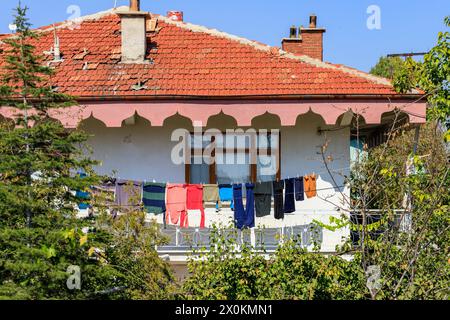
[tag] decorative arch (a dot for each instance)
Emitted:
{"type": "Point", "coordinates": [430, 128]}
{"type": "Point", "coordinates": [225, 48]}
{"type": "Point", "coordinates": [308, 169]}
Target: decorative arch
{"type": "Point", "coordinates": [91, 121]}
{"type": "Point", "coordinates": [112, 114]}
{"type": "Point", "coordinates": [185, 122]}
{"type": "Point", "coordinates": [309, 114]}
{"type": "Point", "coordinates": [267, 117]}
{"type": "Point", "coordinates": [221, 120]}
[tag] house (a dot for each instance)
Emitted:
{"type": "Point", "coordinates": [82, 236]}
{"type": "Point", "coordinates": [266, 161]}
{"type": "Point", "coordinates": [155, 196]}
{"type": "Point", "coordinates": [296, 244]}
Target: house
{"type": "Point", "coordinates": [149, 86]}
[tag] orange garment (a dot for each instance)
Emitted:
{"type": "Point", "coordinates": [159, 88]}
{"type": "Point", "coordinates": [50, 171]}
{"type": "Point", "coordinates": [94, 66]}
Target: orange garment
{"type": "Point", "coordinates": [176, 204]}
{"type": "Point", "coordinates": [310, 185]}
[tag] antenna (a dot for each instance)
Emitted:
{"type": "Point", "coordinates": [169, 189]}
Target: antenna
{"type": "Point", "coordinates": [56, 49]}
{"type": "Point", "coordinates": [406, 55]}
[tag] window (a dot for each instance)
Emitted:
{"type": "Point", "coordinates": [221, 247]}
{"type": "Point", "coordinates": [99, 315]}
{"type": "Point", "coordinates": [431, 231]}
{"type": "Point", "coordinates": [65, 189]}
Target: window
{"type": "Point", "coordinates": [233, 157]}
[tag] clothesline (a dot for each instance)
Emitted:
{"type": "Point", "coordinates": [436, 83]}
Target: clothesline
{"type": "Point", "coordinates": [181, 202]}
{"type": "Point", "coordinates": [175, 200]}
{"type": "Point", "coordinates": [236, 182]}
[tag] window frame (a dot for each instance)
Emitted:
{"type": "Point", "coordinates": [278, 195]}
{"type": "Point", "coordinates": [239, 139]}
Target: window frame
{"type": "Point", "coordinates": [213, 166]}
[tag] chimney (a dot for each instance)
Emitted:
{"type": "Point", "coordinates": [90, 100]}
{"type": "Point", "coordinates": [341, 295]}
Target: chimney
{"type": "Point", "coordinates": [308, 41]}
{"type": "Point", "coordinates": [135, 5]}
{"type": "Point", "coordinates": [57, 47]}
{"type": "Point", "coordinates": [175, 15]}
{"type": "Point", "coordinates": [312, 21]}
{"type": "Point", "coordinates": [133, 30]}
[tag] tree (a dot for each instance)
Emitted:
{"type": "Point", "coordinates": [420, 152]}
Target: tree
{"type": "Point", "coordinates": [387, 67]}
{"type": "Point", "coordinates": [142, 275]}
{"type": "Point", "coordinates": [40, 236]}
{"type": "Point", "coordinates": [231, 270]}
{"type": "Point", "coordinates": [432, 76]}
{"type": "Point", "coordinates": [403, 245]}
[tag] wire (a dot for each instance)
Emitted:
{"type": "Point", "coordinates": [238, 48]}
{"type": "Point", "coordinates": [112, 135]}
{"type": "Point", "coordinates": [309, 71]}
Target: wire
{"type": "Point", "coordinates": [234, 198]}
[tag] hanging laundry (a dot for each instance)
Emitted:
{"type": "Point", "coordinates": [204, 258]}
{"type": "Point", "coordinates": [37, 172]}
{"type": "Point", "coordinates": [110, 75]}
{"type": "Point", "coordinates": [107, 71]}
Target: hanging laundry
{"type": "Point", "coordinates": [299, 189]}
{"type": "Point", "coordinates": [154, 197]}
{"type": "Point", "coordinates": [106, 192]}
{"type": "Point", "coordinates": [263, 198]}
{"type": "Point", "coordinates": [239, 211]}
{"type": "Point", "coordinates": [244, 217]}
{"type": "Point", "coordinates": [195, 202]}
{"type": "Point", "coordinates": [289, 199]}
{"type": "Point", "coordinates": [278, 187]}
{"type": "Point", "coordinates": [249, 221]}
{"type": "Point", "coordinates": [82, 195]}
{"type": "Point", "coordinates": [128, 194]}
{"type": "Point", "coordinates": [310, 185]}
{"type": "Point", "coordinates": [211, 194]}
{"type": "Point", "coordinates": [176, 205]}
{"type": "Point", "coordinates": [226, 193]}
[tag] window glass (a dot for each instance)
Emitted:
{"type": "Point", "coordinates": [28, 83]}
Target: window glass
{"type": "Point", "coordinates": [266, 168]}
{"type": "Point", "coordinates": [199, 171]}
{"type": "Point", "coordinates": [233, 162]}
{"type": "Point", "coordinates": [237, 171]}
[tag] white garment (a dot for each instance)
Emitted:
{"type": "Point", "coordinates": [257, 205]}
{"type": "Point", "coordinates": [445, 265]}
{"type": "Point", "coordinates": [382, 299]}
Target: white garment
{"type": "Point", "coordinates": [194, 217]}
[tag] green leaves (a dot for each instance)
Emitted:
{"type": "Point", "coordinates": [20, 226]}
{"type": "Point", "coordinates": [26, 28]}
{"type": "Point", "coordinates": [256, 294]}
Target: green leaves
{"type": "Point", "coordinates": [290, 273]}
{"type": "Point", "coordinates": [432, 75]}
{"type": "Point", "coordinates": [387, 67]}
{"type": "Point", "coordinates": [39, 235]}
{"type": "Point", "coordinates": [49, 252]}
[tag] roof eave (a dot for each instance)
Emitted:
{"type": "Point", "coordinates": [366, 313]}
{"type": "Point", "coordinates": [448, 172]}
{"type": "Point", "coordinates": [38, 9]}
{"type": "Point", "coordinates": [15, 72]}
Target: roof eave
{"type": "Point", "coordinates": [413, 96]}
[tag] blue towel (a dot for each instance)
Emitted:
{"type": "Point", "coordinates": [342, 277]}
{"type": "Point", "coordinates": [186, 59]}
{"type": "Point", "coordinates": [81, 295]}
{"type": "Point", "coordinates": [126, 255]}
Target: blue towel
{"type": "Point", "coordinates": [250, 206]}
{"type": "Point", "coordinates": [289, 200]}
{"type": "Point", "coordinates": [299, 189]}
{"type": "Point", "coordinates": [82, 195]}
{"type": "Point", "coordinates": [244, 217]}
{"type": "Point", "coordinates": [226, 193]}
{"type": "Point", "coordinates": [239, 211]}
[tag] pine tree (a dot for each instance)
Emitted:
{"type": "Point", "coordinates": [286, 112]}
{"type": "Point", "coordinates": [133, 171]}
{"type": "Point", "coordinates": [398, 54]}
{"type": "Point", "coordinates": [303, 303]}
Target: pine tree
{"type": "Point", "coordinates": [40, 236]}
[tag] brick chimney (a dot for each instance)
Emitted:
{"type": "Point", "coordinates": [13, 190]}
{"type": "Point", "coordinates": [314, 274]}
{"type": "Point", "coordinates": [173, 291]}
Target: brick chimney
{"type": "Point", "coordinates": [175, 15]}
{"type": "Point", "coordinates": [308, 41]}
{"type": "Point", "coordinates": [133, 30]}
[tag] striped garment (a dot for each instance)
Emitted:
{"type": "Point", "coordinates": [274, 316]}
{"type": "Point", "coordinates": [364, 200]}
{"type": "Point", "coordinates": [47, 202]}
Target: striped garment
{"type": "Point", "coordinates": [154, 197]}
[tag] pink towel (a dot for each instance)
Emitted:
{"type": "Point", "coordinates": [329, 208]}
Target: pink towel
{"type": "Point", "coordinates": [176, 204]}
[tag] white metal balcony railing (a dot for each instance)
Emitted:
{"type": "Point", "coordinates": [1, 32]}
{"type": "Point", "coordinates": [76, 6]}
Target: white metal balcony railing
{"type": "Point", "coordinates": [188, 239]}
{"type": "Point", "coordinates": [267, 239]}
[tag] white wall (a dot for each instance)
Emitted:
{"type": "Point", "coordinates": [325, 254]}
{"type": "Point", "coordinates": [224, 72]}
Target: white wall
{"type": "Point", "coordinates": [136, 152]}
{"type": "Point", "coordinates": [142, 152]}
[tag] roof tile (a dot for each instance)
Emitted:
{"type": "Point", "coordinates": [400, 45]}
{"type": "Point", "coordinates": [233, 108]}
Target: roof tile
{"type": "Point", "coordinates": [192, 61]}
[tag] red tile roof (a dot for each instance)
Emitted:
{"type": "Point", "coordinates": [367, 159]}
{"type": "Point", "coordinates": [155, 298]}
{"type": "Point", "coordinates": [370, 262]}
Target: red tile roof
{"type": "Point", "coordinates": [189, 60]}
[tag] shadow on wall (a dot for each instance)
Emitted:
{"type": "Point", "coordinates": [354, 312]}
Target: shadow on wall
{"type": "Point", "coordinates": [142, 152]}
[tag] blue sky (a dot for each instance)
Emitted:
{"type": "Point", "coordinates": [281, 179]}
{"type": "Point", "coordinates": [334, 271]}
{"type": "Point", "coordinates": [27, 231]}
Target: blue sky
{"type": "Point", "coordinates": [406, 25]}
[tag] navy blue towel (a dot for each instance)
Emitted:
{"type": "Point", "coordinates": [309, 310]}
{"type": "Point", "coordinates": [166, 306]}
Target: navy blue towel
{"type": "Point", "coordinates": [239, 212]}
{"type": "Point", "coordinates": [244, 217]}
{"type": "Point", "coordinates": [250, 206]}
{"type": "Point", "coordinates": [278, 187]}
{"type": "Point", "coordinates": [299, 189]}
{"type": "Point", "coordinates": [289, 200]}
